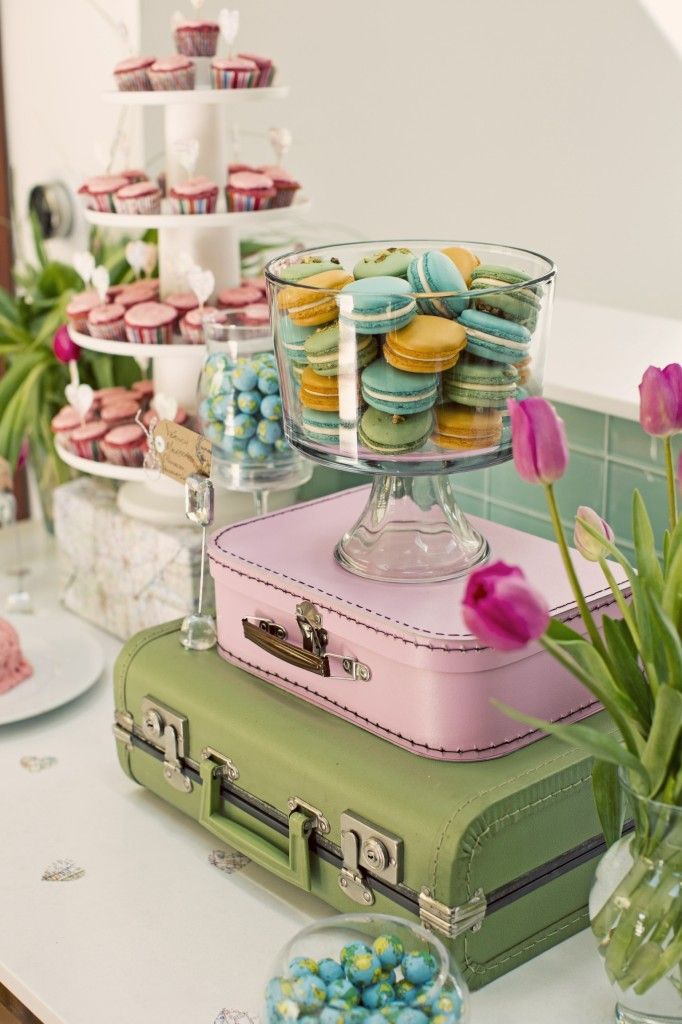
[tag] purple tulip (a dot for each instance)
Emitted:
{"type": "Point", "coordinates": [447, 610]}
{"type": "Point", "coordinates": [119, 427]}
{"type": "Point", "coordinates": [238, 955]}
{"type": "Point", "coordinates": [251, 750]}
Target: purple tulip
{"type": "Point", "coordinates": [588, 546]}
{"type": "Point", "coordinates": [538, 440]}
{"type": "Point", "coordinates": [502, 609]}
{"type": "Point", "coordinates": [63, 347]}
{"type": "Point", "coordinates": [660, 400]}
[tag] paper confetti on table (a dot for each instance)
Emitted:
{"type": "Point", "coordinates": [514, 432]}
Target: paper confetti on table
{"type": "Point", "coordinates": [37, 764]}
{"type": "Point", "coordinates": [228, 861]}
{"type": "Point", "coordinates": [62, 871]}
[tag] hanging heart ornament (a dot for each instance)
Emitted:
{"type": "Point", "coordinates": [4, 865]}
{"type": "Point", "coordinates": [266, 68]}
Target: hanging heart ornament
{"type": "Point", "coordinates": [100, 282]}
{"type": "Point", "coordinates": [84, 264]}
{"type": "Point", "coordinates": [202, 283]}
{"type": "Point", "coordinates": [80, 397]}
{"type": "Point", "coordinates": [187, 152]}
{"type": "Point", "coordinates": [229, 25]}
{"type": "Point", "coordinates": [141, 256]}
{"type": "Point", "coordinates": [165, 406]}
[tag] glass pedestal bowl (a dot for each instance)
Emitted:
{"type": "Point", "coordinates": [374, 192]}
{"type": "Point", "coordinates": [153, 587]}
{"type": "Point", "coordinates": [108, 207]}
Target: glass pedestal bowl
{"type": "Point", "coordinates": [404, 373]}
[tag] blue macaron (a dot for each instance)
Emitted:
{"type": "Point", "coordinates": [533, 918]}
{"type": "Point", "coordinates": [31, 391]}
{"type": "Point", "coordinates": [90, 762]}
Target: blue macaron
{"type": "Point", "coordinates": [491, 337]}
{"type": "Point", "coordinates": [322, 427]}
{"type": "Point", "coordinates": [433, 271]}
{"type": "Point", "coordinates": [395, 391]}
{"type": "Point", "coordinates": [292, 337]}
{"type": "Point", "coordinates": [377, 305]}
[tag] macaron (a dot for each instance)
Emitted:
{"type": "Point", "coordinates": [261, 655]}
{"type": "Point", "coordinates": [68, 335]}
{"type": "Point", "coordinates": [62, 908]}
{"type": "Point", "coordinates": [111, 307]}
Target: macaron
{"type": "Point", "coordinates": [323, 351]}
{"type": "Point", "coordinates": [318, 392]}
{"type": "Point", "coordinates": [397, 392]}
{"type": "Point", "coordinates": [321, 427]}
{"type": "Point", "coordinates": [309, 308]}
{"type": "Point", "coordinates": [433, 271]}
{"type": "Point", "coordinates": [491, 337]}
{"type": "Point", "coordinates": [464, 259]}
{"type": "Point", "coordinates": [394, 435]}
{"type": "Point", "coordinates": [429, 344]}
{"type": "Point", "coordinates": [519, 304]}
{"type": "Point", "coordinates": [459, 427]}
{"type": "Point", "coordinates": [378, 304]}
{"type": "Point", "coordinates": [480, 382]}
{"type": "Point", "coordinates": [308, 266]}
{"type": "Point", "coordinates": [292, 338]}
{"type": "Point", "coordinates": [391, 262]}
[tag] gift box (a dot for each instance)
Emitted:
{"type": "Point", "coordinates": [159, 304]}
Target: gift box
{"type": "Point", "coordinates": [121, 573]}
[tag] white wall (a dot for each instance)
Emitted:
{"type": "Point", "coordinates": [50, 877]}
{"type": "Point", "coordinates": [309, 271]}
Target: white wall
{"type": "Point", "coordinates": [545, 123]}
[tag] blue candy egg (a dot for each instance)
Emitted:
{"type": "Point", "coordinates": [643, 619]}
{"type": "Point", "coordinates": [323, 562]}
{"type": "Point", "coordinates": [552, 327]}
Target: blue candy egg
{"type": "Point", "coordinates": [342, 994]}
{"type": "Point", "coordinates": [390, 1012]}
{"type": "Point", "coordinates": [268, 431]}
{"type": "Point", "coordinates": [257, 451]}
{"type": "Point", "coordinates": [214, 432]}
{"type": "Point", "coordinates": [287, 1010]}
{"type": "Point", "coordinates": [406, 991]}
{"type": "Point", "coordinates": [244, 425]}
{"type": "Point", "coordinates": [411, 1016]}
{"type": "Point", "coordinates": [419, 968]}
{"type": "Point", "coordinates": [378, 995]}
{"type": "Point", "coordinates": [446, 1018]}
{"type": "Point", "coordinates": [271, 407]}
{"type": "Point", "coordinates": [268, 381]}
{"type": "Point", "coordinates": [376, 1018]}
{"type": "Point", "coordinates": [248, 401]}
{"type": "Point", "coordinates": [310, 992]}
{"type": "Point", "coordinates": [278, 989]}
{"type": "Point", "coordinates": [204, 408]}
{"type": "Point", "coordinates": [389, 976]}
{"type": "Point", "coordinates": [389, 949]}
{"type": "Point", "coordinates": [217, 361]}
{"type": "Point", "coordinates": [244, 377]}
{"type": "Point", "coordinates": [332, 1015]}
{"type": "Point", "coordinates": [218, 408]}
{"type": "Point", "coordinates": [351, 949]}
{"type": "Point", "coordinates": [358, 1015]}
{"type": "Point", "coordinates": [281, 444]}
{"type": "Point", "coordinates": [361, 968]}
{"type": "Point", "coordinates": [330, 970]}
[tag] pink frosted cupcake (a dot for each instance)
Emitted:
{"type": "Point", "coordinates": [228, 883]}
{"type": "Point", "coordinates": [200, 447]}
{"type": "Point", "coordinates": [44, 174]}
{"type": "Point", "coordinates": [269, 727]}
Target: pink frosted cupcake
{"type": "Point", "coordinates": [266, 69]}
{"type": "Point", "coordinates": [192, 324]}
{"type": "Point", "coordinates": [182, 302]}
{"type": "Point", "coordinates": [235, 168]}
{"type": "Point", "coordinates": [235, 298]}
{"type": "Point", "coordinates": [197, 38]}
{"type": "Point", "coordinates": [65, 422]}
{"type": "Point", "coordinates": [106, 395]}
{"type": "Point", "coordinates": [247, 191]}
{"type": "Point", "coordinates": [150, 323]}
{"type": "Point", "coordinates": [86, 442]}
{"type": "Point", "coordinates": [233, 73]}
{"type": "Point", "coordinates": [115, 414]}
{"type": "Point", "coordinates": [256, 282]}
{"type": "Point", "coordinates": [125, 445]}
{"type": "Point", "coordinates": [257, 315]}
{"type": "Point", "coordinates": [132, 75]}
{"type": "Point", "coordinates": [180, 417]}
{"type": "Point", "coordinates": [198, 195]}
{"type": "Point", "coordinates": [107, 322]}
{"type": "Point", "coordinates": [140, 197]}
{"type": "Point", "coordinates": [133, 175]}
{"type": "Point", "coordinates": [143, 390]}
{"type": "Point", "coordinates": [139, 291]}
{"type": "Point", "coordinates": [79, 308]}
{"type": "Point", "coordinates": [99, 191]}
{"type": "Point", "coordinates": [285, 183]}
{"type": "Point", "coordinates": [172, 73]}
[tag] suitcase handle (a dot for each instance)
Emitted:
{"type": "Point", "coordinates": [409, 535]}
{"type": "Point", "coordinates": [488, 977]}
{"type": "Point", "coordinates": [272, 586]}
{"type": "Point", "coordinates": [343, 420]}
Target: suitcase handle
{"type": "Point", "coordinates": [293, 865]}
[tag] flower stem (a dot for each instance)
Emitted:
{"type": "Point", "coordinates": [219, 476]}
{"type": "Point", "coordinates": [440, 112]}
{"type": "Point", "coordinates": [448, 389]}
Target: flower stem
{"type": "Point", "coordinates": [620, 601]}
{"type": "Point", "coordinates": [585, 612]}
{"type": "Point", "coordinates": [670, 475]}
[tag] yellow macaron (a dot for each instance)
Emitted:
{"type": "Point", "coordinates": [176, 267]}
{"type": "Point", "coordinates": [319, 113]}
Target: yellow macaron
{"type": "Point", "coordinates": [428, 344]}
{"type": "Point", "coordinates": [317, 392]}
{"type": "Point", "coordinates": [464, 259]}
{"type": "Point", "coordinates": [308, 309]}
{"type": "Point", "coordinates": [462, 427]}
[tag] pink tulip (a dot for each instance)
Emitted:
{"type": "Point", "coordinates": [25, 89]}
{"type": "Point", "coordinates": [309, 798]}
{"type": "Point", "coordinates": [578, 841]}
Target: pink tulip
{"type": "Point", "coordinates": [588, 546]}
{"type": "Point", "coordinates": [660, 400]}
{"type": "Point", "coordinates": [63, 347]}
{"type": "Point", "coordinates": [538, 440]}
{"type": "Point", "coordinates": [502, 609]}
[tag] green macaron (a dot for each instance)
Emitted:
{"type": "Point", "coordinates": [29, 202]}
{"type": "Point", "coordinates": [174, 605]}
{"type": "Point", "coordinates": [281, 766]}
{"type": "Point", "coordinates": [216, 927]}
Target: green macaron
{"type": "Point", "coordinates": [520, 304]}
{"type": "Point", "coordinates": [394, 435]}
{"type": "Point", "coordinates": [392, 262]}
{"type": "Point", "coordinates": [308, 266]}
{"type": "Point", "coordinates": [480, 382]}
{"type": "Point", "coordinates": [322, 350]}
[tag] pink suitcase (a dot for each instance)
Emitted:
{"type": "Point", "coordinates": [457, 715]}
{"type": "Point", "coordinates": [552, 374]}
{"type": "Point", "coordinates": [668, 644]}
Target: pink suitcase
{"type": "Point", "coordinates": [396, 659]}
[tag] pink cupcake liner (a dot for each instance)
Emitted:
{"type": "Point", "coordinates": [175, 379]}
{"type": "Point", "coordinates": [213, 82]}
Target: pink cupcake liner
{"type": "Point", "coordinates": [141, 205]}
{"type": "Point", "coordinates": [122, 455]}
{"type": "Point", "coordinates": [103, 201]}
{"type": "Point", "coordinates": [133, 81]}
{"type": "Point", "coordinates": [181, 79]}
{"type": "Point", "coordinates": [197, 42]}
{"type": "Point", "coordinates": [79, 323]}
{"type": "Point", "coordinates": [243, 202]}
{"type": "Point", "coordinates": [233, 79]}
{"type": "Point", "coordinates": [192, 204]}
{"type": "Point", "coordinates": [285, 196]}
{"type": "Point", "coordinates": [267, 77]}
{"type": "Point", "coordinates": [110, 332]}
{"type": "Point", "coordinates": [88, 450]}
{"type": "Point", "coordinates": [161, 335]}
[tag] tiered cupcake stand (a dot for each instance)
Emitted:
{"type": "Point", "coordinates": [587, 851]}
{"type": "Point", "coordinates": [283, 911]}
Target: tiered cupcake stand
{"type": "Point", "coordinates": [209, 240]}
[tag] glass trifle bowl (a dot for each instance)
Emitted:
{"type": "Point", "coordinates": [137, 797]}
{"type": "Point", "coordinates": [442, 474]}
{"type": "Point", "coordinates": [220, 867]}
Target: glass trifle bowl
{"type": "Point", "coordinates": [397, 358]}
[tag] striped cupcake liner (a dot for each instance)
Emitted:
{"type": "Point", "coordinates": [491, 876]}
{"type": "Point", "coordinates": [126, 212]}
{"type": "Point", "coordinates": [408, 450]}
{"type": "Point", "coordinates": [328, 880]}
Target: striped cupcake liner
{"type": "Point", "coordinates": [168, 80]}
{"type": "Point", "coordinates": [266, 77]}
{"type": "Point", "coordinates": [133, 81]}
{"type": "Point", "coordinates": [233, 79]}
{"type": "Point", "coordinates": [244, 202]}
{"type": "Point", "coordinates": [284, 197]}
{"type": "Point", "coordinates": [79, 323]}
{"type": "Point", "coordinates": [121, 455]}
{"type": "Point", "coordinates": [199, 43]}
{"type": "Point", "coordinates": [162, 335]}
{"type": "Point", "coordinates": [88, 450]}
{"type": "Point", "coordinates": [191, 335]}
{"type": "Point", "coordinates": [103, 201]}
{"type": "Point", "coordinates": [141, 205]}
{"type": "Point", "coordinates": [202, 204]}
{"type": "Point", "coordinates": [109, 332]}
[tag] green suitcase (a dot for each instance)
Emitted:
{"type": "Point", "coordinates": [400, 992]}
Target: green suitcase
{"type": "Point", "coordinates": [496, 856]}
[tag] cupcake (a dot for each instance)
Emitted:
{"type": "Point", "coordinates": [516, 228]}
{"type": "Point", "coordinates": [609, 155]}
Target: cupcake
{"type": "Point", "coordinates": [191, 324]}
{"type": "Point", "coordinates": [86, 441]}
{"type": "Point", "coordinates": [150, 323]}
{"type": "Point", "coordinates": [125, 445]}
{"type": "Point", "coordinates": [197, 38]}
{"type": "Point", "coordinates": [285, 183]}
{"type": "Point", "coordinates": [266, 69]}
{"type": "Point", "coordinates": [235, 168]}
{"type": "Point", "coordinates": [106, 395]}
{"type": "Point", "coordinates": [235, 298]}
{"type": "Point", "coordinates": [233, 73]}
{"type": "Point", "coordinates": [180, 417]}
{"type": "Point", "coordinates": [248, 191]}
{"type": "Point", "coordinates": [115, 414]}
{"type": "Point", "coordinates": [256, 282]}
{"type": "Point", "coordinates": [140, 197]}
{"type": "Point", "coordinates": [132, 75]}
{"type": "Point", "coordinates": [256, 315]}
{"type": "Point", "coordinates": [99, 191]}
{"type": "Point", "coordinates": [182, 302]}
{"type": "Point", "coordinates": [143, 390]}
{"type": "Point", "coordinates": [107, 322]}
{"type": "Point", "coordinates": [65, 422]}
{"type": "Point", "coordinates": [172, 73]}
{"type": "Point", "coordinates": [133, 175]}
{"type": "Point", "coordinates": [145, 290]}
{"type": "Point", "coordinates": [79, 308]}
{"type": "Point", "coordinates": [198, 195]}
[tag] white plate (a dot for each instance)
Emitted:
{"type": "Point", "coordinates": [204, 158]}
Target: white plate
{"type": "Point", "coordinates": [220, 219]}
{"type": "Point", "coordinates": [66, 658]}
{"type": "Point", "coordinates": [200, 96]}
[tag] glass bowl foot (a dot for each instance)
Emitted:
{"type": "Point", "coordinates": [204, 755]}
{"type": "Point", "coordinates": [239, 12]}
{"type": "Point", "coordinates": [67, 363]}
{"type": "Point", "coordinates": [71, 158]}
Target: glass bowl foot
{"type": "Point", "coordinates": [412, 531]}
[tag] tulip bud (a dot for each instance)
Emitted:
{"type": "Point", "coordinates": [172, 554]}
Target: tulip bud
{"type": "Point", "coordinates": [538, 440]}
{"type": "Point", "coordinates": [660, 400]}
{"type": "Point", "coordinates": [63, 347]}
{"type": "Point", "coordinates": [588, 546]}
{"type": "Point", "coordinates": [502, 609]}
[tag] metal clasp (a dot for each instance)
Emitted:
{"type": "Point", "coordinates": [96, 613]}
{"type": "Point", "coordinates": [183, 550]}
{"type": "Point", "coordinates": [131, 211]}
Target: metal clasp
{"type": "Point", "coordinates": [224, 766]}
{"type": "Point", "coordinates": [315, 637]}
{"type": "Point", "coordinates": [366, 848]}
{"type": "Point", "coordinates": [169, 732]}
{"type": "Point", "coordinates": [452, 921]}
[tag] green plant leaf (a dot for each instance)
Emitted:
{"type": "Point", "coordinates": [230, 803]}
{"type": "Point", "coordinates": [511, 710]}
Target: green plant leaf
{"type": "Point", "coordinates": [608, 796]}
{"type": "Point", "coordinates": [672, 589]}
{"type": "Point", "coordinates": [628, 675]}
{"type": "Point", "coordinates": [11, 331]}
{"type": "Point", "coordinates": [9, 308]}
{"type": "Point", "coordinates": [17, 415]}
{"type": "Point", "coordinates": [55, 279]}
{"type": "Point", "coordinates": [663, 744]}
{"type": "Point", "coordinates": [38, 240]}
{"type": "Point", "coordinates": [668, 644]}
{"type": "Point", "coordinates": [648, 565]}
{"type": "Point", "coordinates": [560, 632]}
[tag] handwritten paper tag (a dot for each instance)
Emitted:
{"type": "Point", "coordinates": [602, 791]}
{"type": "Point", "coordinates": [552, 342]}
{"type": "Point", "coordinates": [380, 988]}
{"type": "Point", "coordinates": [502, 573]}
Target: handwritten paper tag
{"type": "Point", "coordinates": [181, 451]}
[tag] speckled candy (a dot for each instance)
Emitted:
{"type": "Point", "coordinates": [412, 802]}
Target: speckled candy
{"type": "Point", "coordinates": [287, 1010]}
{"type": "Point", "coordinates": [361, 968]}
{"type": "Point", "coordinates": [249, 401]}
{"type": "Point", "coordinates": [278, 989]}
{"type": "Point", "coordinates": [310, 992]}
{"type": "Point", "coordinates": [445, 1018]}
{"type": "Point", "coordinates": [389, 949]}
{"type": "Point", "coordinates": [244, 426]}
{"type": "Point", "coordinates": [330, 970]}
{"type": "Point", "coordinates": [376, 996]}
{"type": "Point", "coordinates": [268, 432]}
{"type": "Point", "coordinates": [446, 1005]}
{"type": "Point", "coordinates": [268, 381]}
{"type": "Point", "coordinates": [342, 994]}
{"type": "Point", "coordinates": [257, 451]}
{"type": "Point", "coordinates": [332, 1015]}
{"type": "Point", "coordinates": [406, 991]}
{"type": "Point", "coordinates": [419, 968]}
{"type": "Point", "coordinates": [271, 407]}
{"type": "Point", "coordinates": [351, 949]}
{"type": "Point", "coordinates": [244, 377]}
{"type": "Point", "coordinates": [411, 1016]}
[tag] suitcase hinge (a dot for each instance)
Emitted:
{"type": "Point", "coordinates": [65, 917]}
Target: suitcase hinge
{"type": "Point", "coordinates": [169, 732]}
{"type": "Point", "coordinates": [452, 921]}
{"type": "Point", "coordinates": [123, 728]}
{"type": "Point", "coordinates": [224, 765]}
{"type": "Point", "coordinates": [366, 848]}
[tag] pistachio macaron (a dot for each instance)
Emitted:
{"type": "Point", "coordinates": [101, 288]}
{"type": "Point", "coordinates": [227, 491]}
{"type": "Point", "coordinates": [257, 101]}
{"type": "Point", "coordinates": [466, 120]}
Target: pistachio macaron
{"type": "Point", "coordinates": [512, 303]}
{"type": "Point", "coordinates": [309, 307]}
{"type": "Point", "coordinates": [324, 351]}
{"type": "Point", "coordinates": [480, 382]}
{"type": "Point", "coordinates": [307, 267]}
{"type": "Point", "coordinates": [429, 344]}
{"type": "Point", "coordinates": [391, 262]}
{"type": "Point", "coordinates": [394, 435]}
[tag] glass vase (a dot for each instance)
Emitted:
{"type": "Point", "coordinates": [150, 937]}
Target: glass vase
{"type": "Point", "coordinates": [636, 914]}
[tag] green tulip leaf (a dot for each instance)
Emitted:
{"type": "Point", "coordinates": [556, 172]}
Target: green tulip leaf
{"type": "Point", "coordinates": [560, 632]}
{"type": "Point", "coordinates": [664, 744]}
{"type": "Point", "coordinates": [608, 796]}
{"type": "Point", "coordinates": [628, 675]}
{"type": "Point", "coordinates": [648, 565]}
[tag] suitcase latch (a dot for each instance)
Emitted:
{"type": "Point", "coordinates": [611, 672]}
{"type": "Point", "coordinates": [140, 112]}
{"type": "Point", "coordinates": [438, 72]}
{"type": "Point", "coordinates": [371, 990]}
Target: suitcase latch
{"type": "Point", "coordinates": [452, 921]}
{"type": "Point", "coordinates": [169, 732]}
{"type": "Point", "coordinates": [367, 850]}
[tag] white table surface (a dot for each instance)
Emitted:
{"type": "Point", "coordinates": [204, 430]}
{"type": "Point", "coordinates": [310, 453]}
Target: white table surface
{"type": "Point", "coordinates": [152, 933]}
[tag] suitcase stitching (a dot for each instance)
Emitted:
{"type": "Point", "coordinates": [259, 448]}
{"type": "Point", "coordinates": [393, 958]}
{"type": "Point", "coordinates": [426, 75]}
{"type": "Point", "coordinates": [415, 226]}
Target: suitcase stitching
{"type": "Point", "coordinates": [390, 732]}
{"type": "Point", "coordinates": [475, 969]}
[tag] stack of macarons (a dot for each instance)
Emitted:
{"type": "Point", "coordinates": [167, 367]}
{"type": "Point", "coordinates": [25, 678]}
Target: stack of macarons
{"type": "Point", "coordinates": [427, 346]}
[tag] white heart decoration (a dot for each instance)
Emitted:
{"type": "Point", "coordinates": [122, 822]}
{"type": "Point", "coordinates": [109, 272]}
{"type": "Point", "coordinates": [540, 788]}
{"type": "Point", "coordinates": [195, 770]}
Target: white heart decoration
{"type": "Point", "coordinates": [187, 152]}
{"type": "Point", "coordinates": [202, 283]}
{"type": "Point", "coordinates": [100, 282]}
{"type": "Point", "coordinates": [84, 264]}
{"type": "Point", "coordinates": [150, 261]}
{"type": "Point", "coordinates": [177, 18]}
{"type": "Point", "coordinates": [229, 25]}
{"type": "Point", "coordinates": [80, 397]}
{"type": "Point", "coordinates": [280, 139]}
{"type": "Point", "coordinates": [165, 406]}
{"type": "Point", "coordinates": [136, 255]}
